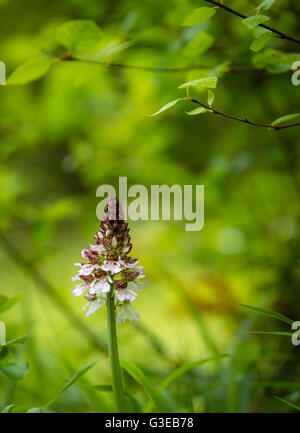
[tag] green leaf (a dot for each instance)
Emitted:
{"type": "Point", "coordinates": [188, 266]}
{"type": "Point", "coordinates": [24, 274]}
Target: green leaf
{"type": "Point", "coordinates": [287, 402]}
{"type": "Point", "coordinates": [221, 69]}
{"type": "Point", "coordinates": [22, 408]}
{"type": "Point", "coordinates": [209, 82]}
{"type": "Point", "coordinates": [4, 355]}
{"type": "Point", "coordinates": [19, 340]}
{"type": "Point", "coordinates": [8, 408]}
{"type": "Point", "coordinates": [210, 97]}
{"type": "Point", "coordinates": [266, 4]}
{"type": "Point", "coordinates": [185, 367]}
{"type": "Point", "coordinates": [201, 43]}
{"type": "Point", "coordinates": [270, 313]}
{"type": "Point", "coordinates": [155, 395]}
{"type": "Point", "coordinates": [109, 388]}
{"type": "Point", "coordinates": [275, 61]}
{"type": "Point", "coordinates": [103, 388]}
{"type": "Point", "coordinates": [198, 110]}
{"type": "Point", "coordinates": [255, 20]}
{"type": "Point", "coordinates": [285, 119]}
{"type": "Point", "coordinates": [6, 303]}
{"type": "Point", "coordinates": [166, 107]}
{"type": "Point", "coordinates": [198, 16]}
{"type": "Point", "coordinates": [35, 410]}
{"type": "Point", "coordinates": [262, 38]}
{"type": "Point", "coordinates": [287, 334]}
{"type": "Point", "coordinates": [15, 371]}
{"type": "Point", "coordinates": [71, 381]}
{"type": "Point", "coordinates": [181, 370]}
{"type": "Point", "coordinates": [79, 35]}
{"type": "Point", "coordinates": [29, 71]}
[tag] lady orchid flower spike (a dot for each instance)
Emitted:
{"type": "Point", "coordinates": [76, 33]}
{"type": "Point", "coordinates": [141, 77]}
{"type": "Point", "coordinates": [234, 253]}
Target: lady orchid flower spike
{"type": "Point", "coordinates": [109, 268]}
{"type": "Point", "coordinates": [110, 276]}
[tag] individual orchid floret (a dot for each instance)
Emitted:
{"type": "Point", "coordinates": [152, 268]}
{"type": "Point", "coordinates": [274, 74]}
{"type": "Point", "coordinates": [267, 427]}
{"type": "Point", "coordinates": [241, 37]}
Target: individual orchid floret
{"type": "Point", "coordinates": [109, 271]}
{"type": "Point", "coordinates": [127, 313]}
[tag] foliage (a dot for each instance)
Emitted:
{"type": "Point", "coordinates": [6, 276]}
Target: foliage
{"type": "Point", "coordinates": [83, 81]}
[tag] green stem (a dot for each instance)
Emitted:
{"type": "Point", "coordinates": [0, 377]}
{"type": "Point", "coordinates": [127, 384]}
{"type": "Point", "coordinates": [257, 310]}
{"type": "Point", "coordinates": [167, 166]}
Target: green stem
{"type": "Point", "coordinates": [114, 355]}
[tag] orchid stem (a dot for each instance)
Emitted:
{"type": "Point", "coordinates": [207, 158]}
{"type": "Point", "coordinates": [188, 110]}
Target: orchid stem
{"type": "Point", "coordinates": [117, 383]}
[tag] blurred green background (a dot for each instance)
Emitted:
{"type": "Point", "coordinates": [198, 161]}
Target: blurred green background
{"type": "Point", "coordinates": [83, 125]}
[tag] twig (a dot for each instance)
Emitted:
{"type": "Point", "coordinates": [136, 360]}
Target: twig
{"type": "Point", "coordinates": [238, 14]}
{"type": "Point", "coordinates": [238, 119]}
{"type": "Point", "coordinates": [112, 65]}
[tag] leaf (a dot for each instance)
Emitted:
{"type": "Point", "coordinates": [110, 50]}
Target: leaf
{"type": "Point", "coordinates": [6, 303]}
{"type": "Point", "coordinates": [266, 4]}
{"type": "Point", "coordinates": [198, 110]}
{"type": "Point", "coordinates": [255, 20]}
{"type": "Point", "coordinates": [71, 381]}
{"type": "Point", "coordinates": [4, 355]}
{"type": "Point", "coordinates": [287, 402]}
{"type": "Point", "coordinates": [109, 388]}
{"type": "Point", "coordinates": [35, 410]}
{"type": "Point", "coordinates": [198, 16]}
{"type": "Point", "coordinates": [209, 82]}
{"type": "Point", "coordinates": [29, 71]}
{"type": "Point", "coordinates": [199, 44]}
{"type": "Point", "coordinates": [262, 38]}
{"type": "Point", "coordinates": [221, 69]}
{"type": "Point", "coordinates": [103, 388]}
{"type": "Point", "coordinates": [8, 408]}
{"type": "Point", "coordinates": [22, 408]}
{"type": "Point", "coordinates": [275, 61]}
{"type": "Point", "coordinates": [185, 367]}
{"type": "Point", "coordinates": [166, 107]}
{"type": "Point", "coordinates": [15, 371]}
{"type": "Point", "coordinates": [180, 371]}
{"type": "Point", "coordinates": [210, 97]}
{"type": "Point", "coordinates": [19, 340]}
{"type": "Point", "coordinates": [155, 395]}
{"type": "Point", "coordinates": [270, 313]}
{"type": "Point", "coordinates": [79, 35]}
{"type": "Point", "coordinates": [285, 119]}
{"type": "Point", "coordinates": [287, 334]}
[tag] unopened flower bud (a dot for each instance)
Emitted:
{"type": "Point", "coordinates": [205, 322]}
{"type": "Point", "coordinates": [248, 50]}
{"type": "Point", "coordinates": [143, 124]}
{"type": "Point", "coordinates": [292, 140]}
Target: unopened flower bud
{"type": "Point", "coordinates": [114, 242]}
{"type": "Point", "coordinates": [129, 275]}
{"type": "Point", "coordinates": [112, 256]}
{"type": "Point", "coordinates": [120, 284]}
{"type": "Point", "coordinates": [126, 249]}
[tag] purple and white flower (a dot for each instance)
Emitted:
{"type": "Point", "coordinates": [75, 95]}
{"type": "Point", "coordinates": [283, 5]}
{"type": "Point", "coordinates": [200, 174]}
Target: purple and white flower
{"type": "Point", "coordinates": [109, 268]}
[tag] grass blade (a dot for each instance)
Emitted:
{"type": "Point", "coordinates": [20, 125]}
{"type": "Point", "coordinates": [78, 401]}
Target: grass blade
{"type": "Point", "coordinates": [108, 388]}
{"type": "Point", "coordinates": [270, 313]}
{"type": "Point", "coordinates": [103, 388]}
{"type": "Point", "coordinates": [185, 367]}
{"type": "Point", "coordinates": [180, 371]}
{"type": "Point", "coordinates": [155, 395]}
{"type": "Point", "coordinates": [287, 402]}
{"type": "Point", "coordinates": [70, 382]}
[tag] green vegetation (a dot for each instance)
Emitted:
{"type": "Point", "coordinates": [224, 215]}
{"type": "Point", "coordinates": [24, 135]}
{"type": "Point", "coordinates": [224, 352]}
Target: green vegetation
{"type": "Point", "coordinates": [84, 80]}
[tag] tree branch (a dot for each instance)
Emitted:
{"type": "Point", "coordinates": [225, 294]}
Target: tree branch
{"type": "Point", "coordinates": [238, 14]}
{"type": "Point", "coordinates": [112, 65]}
{"type": "Point", "coordinates": [238, 119]}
